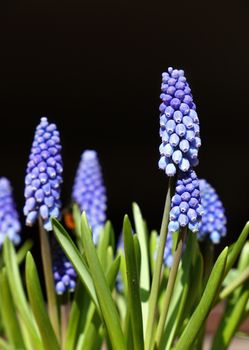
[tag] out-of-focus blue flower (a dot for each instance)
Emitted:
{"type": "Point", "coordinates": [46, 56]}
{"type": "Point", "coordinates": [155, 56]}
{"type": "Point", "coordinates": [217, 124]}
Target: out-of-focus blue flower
{"type": "Point", "coordinates": [89, 192]}
{"type": "Point", "coordinates": [9, 220]}
{"type": "Point", "coordinates": [44, 175]}
{"type": "Point", "coordinates": [63, 271]}
{"type": "Point", "coordinates": [213, 222]}
{"type": "Point", "coordinates": [186, 208]}
{"type": "Point", "coordinates": [119, 280]}
{"type": "Point", "coordinates": [168, 256]}
{"type": "Point", "coordinates": [179, 124]}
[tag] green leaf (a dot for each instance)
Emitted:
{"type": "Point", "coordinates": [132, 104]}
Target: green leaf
{"type": "Point", "coordinates": [237, 246]}
{"type": "Point", "coordinates": [153, 247]}
{"type": "Point", "coordinates": [8, 312]}
{"type": "Point", "coordinates": [201, 312]}
{"type": "Point", "coordinates": [38, 306]}
{"type": "Point", "coordinates": [77, 316]}
{"type": "Point", "coordinates": [180, 300]}
{"type": "Point", "coordinates": [231, 320]}
{"type": "Point", "coordinates": [5, 346]}
{"type": "Point", "coordinates": [106, 303]}
{"type": "Point", "coordinates": [104, 241]}
{"type": "Point", "coordinates": [142, 234]}
{"type": "Point", "coordinates": [75, 257]}
{"type": "Point", "coordinates": [18, 293]}
{"type": "Point", "coordinates": [21, 254]}
{"type": "Point", "coordinates": [134, 301]}
{"type": "Point", "coordinates": [93, 323]}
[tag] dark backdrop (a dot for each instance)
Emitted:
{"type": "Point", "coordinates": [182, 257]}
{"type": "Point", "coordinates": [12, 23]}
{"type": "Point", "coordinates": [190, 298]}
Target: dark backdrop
{"type": "Point", "coordinates": [94, 68]}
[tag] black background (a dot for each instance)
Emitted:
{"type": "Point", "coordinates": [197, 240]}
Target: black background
{"type": "Point", "coordinates": [94, 68]}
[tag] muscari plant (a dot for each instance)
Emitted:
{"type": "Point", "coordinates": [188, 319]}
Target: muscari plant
{"type": "Point", "coordinates": [150, 291]}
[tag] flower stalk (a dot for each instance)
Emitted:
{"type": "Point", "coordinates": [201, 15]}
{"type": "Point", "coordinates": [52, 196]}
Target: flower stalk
{"type": "Point", "coordinates": [49, 279]}
{"type": "Point", "coordinates": [158, 267]}
{"type": "Point", "coordinates": [170, 286]}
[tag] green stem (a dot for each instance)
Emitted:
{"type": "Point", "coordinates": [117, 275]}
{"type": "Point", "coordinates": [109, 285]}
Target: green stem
{"type": "Point", "coordinates": [158, 267]}
{"type": "Point", "coordinates": [170, 285]}
{"type": "Point", "coordinates": [234, 284]}
{"type": "Point", "coordinates": [49, 279]}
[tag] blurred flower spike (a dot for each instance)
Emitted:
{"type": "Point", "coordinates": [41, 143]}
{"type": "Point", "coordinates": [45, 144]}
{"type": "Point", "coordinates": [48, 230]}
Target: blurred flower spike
{"type": "Point", "coordinates": [89, 191]}
{"type": "Point", "coordinates": [63, 271]}
{"type": "Point", "coordinates": [213, 223]}
{"type": "Point", "coordinates": [179, 124]}
{"type": "Point", "coordinates": [44, 176]}
{"type": "Point", "coordinates": [9, 220]}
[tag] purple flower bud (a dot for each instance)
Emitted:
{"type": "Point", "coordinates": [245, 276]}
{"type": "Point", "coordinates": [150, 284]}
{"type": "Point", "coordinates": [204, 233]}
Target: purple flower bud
{"type": "Point", "coordinates": [44, 175]}
{"type": "Point", "coordinates": [170, 169]}
{"type": "Point", "coordinates": [89, 192]}
{"type": "Point", "coordinates": [9, 221]}
{"type": "Point", "coordinates": [179, 123]}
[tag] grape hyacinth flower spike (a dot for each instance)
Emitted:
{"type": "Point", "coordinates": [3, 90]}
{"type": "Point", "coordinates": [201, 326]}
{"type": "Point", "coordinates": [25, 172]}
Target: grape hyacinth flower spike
{"type": "Point", "coordinates": [9, 221]}
{"type": "Point", "coordinates": [213, 223]}
{"type": "Point", "coordinates": [179, 124]}
{"type": "Point", "coordinates": [89, 191]}
{"type": "Point", "coordinates": [64, 273]}
{"type": "Point", "coordinates": [186, 209]}
{"type": "Point", "coordinates": [44, 176]}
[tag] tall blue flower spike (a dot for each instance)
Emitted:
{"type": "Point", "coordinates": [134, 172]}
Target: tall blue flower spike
{"type": "Point", "coordinates": [44, 176]}
{"type": "Point", "coordinates": [63, 271]}
{"type": "Point", "coordinates": [186, 209]}
{"type": "Point", "coordinates": [9, 221]}
{"type": "Point", "coordinates": [89, 192]}
{"type": "Point", "coordinates": [213, 223]}
{"type": "Point", "coordinates": [179, 124]}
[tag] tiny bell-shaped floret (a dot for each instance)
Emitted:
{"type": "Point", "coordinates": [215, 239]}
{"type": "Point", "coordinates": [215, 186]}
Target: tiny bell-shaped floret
{"type": "Point", "coordinates": [179, 124]}
{"type": "Point", "coordinates": [186, 209]}
{"type": "Point", "coordinates": [213, 223]}
{"type": "Point", "coordinates": [43, 176]}
{"type": "Point", "coordinates": [89, 192]}
{"type": "Point", "coordinates": [9, 220]}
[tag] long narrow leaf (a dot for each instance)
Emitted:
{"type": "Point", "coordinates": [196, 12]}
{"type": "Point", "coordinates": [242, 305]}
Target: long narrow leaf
{"type": "Point", "coordinates": [145, 267]}
{"type": "Point", "coordinates": [8, 312]}
{"type": "Point", "coordinates": [133, 286]}
{"type": "Point", "coordinates": [78, 311]}
{"type": "Point", "coordinates": [196, 321]}
{"type": "Point", "coordinates": [75, 257]}
{"type": "Point", "coordinates": [38, 306]}
{"type": "Point", "coordinates": [106, 302]}
{"type": "Point", "coordinates": [18, 294]}
{"type": "Point", "coordinates": [21, 253]}
{"type": "Point", "coordinates": [232, 320]}
{"type": "Point", "coordinates": [236, 248]}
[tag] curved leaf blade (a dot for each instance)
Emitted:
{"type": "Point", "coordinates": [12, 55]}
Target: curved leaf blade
{"type": "Point", "coordinates": [106, 302]}
{"type": "Point", "coordinates": [196, 321]}
{"type": "Point", "coordinates": [38, 306]}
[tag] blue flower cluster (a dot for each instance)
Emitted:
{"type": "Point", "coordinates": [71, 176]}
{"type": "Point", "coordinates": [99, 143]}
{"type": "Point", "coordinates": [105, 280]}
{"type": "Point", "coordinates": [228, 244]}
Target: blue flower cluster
{"type": "Point", "coordinates": [186, 208]}
{"type": "Point", "coordinates": [9, 220]}
{"type": "Point", "coordinates": [44, 175]}
{"type": "Point", "coordinates": [213, 223]}
{"type": "Point", "coordinates": [179, 124]}
{"type": "Point", "coordinates": [89, 192]}
{"type": "Point", "coordinates": [63, 271]}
